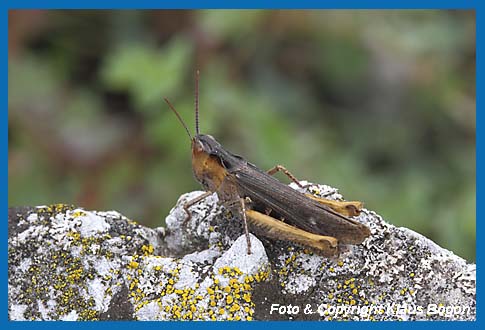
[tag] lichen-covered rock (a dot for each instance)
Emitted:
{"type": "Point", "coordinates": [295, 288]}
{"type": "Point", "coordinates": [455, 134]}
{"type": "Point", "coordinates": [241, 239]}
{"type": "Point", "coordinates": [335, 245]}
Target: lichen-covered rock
{"type": "Point", "coordinates": [66, 263]}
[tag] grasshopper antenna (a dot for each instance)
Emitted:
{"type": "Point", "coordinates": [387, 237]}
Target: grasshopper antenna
{"type": "Point", "coordinates": [197, 73]}
{"type": "Point", "coordinates": [178, 116]}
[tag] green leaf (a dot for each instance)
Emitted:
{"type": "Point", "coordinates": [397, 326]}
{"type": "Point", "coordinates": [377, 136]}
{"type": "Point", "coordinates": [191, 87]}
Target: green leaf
{"type": "Point", "coordinates": [146, 72]}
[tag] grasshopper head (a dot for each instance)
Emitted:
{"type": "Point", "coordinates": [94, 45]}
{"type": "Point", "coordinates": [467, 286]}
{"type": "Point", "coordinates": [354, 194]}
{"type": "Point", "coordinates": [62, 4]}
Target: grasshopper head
{"type": "Point", "coordinates": [204, 144]}
{"type": "Point", "coordinates": [206, 162]}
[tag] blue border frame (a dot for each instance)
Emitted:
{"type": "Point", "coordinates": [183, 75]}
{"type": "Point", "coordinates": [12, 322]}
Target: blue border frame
{"type": "Point", "coordinates": [248, 4]}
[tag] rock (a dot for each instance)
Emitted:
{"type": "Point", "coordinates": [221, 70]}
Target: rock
{"type": "Point", "coordinates": [67, 263]}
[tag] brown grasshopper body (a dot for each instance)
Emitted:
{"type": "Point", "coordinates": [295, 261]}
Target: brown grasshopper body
{"type": "Point", "coordinates": [262, 200]}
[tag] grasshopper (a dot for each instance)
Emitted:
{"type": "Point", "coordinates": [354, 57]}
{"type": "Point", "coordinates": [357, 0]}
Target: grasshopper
{"type": "Point", "coordinates": [274, 208]}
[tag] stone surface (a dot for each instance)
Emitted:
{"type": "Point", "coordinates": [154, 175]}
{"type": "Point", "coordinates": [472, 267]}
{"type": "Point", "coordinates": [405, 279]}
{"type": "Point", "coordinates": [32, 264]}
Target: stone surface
{"type": "Point", "coordinates": [67, 263]}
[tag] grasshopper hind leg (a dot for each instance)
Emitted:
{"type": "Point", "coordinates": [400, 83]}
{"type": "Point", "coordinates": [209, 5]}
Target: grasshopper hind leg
{"type": "Point", "coordinates": [351, 208]}
{"type": "Point", "coordinates": [281, 168]}
{"type": "Point", "coordinates": [345, 208]}
{"type": "Point", "coordinates": [275, 229]}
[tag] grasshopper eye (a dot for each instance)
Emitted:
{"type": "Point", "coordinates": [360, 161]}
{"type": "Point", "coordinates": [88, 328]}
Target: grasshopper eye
{"type": "Point", "coordinates": [199, 146]}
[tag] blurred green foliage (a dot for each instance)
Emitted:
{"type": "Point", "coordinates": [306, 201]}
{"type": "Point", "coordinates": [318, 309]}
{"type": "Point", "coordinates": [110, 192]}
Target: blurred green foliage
{"type": "Point", "coordinates": [378, 103]}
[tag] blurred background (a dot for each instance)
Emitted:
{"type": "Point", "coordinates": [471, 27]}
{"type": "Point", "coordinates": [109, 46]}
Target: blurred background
{"type": "Point", "coordinates": [380, 104]}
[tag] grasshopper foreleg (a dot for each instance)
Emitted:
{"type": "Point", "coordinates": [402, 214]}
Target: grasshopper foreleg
{"type": "Point", "coordinates": [193, 202]}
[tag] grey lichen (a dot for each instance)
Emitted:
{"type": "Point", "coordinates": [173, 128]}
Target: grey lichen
{"type": "Point", "coordinates": [67, 263]}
